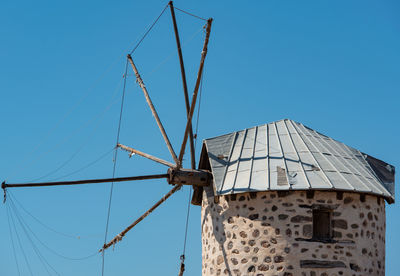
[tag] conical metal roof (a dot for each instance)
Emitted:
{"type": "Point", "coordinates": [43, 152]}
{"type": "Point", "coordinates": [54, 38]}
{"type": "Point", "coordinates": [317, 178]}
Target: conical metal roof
{"type": "Point", "coordinates": [286, 155]}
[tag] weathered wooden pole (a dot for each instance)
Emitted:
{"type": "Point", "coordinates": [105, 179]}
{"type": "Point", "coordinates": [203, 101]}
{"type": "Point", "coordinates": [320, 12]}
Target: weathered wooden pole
{"type": "Point", "coordinates": [4, 185]}
{"type": "Point", "coordinates": [184, 82]}
{"type": "Point", "coordinates": [119, 237]}
{"type": "Point", "coordinates": [196, 89]}
{"type": "Point", "coordinates": [151, 157]}
{"type": "Point", "coordinates": [153, 111]}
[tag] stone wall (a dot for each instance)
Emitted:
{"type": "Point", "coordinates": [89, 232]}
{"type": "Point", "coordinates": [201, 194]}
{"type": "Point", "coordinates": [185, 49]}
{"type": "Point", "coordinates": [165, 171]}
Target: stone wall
{"type": "Point", "coordinates": [271, 233]}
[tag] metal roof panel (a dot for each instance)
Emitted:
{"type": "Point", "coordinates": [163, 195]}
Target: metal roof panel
{"type": "Point", "coordinates": [287, 155]}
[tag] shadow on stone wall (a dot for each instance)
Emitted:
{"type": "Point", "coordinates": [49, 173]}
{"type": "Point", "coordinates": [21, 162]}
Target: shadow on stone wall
{"type": "Point", "coordinates": [217, 227]}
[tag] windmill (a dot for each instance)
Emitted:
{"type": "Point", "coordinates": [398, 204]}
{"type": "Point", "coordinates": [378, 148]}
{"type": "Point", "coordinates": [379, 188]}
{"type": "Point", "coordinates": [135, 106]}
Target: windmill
{"type": "Point", "coordinates": [176, 175]}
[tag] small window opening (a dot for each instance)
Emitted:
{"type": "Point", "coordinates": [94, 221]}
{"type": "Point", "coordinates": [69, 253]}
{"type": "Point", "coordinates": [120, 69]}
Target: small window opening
{"type": "Point", "coordinates": [322, 224]}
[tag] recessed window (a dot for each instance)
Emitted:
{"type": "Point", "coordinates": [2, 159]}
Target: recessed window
{"type": "Point", "coordinates": [322, 224]}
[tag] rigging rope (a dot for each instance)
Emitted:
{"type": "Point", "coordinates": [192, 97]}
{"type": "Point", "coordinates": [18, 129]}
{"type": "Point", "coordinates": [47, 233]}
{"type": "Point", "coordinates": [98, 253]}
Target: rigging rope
{"type": "Point", "coordinates": [182, 268]}
{"type": "Point", "coordinates": [154, 23]}
{"type": "Point", "coordinates": [64, 117]}
{"type": "Point", "coordinates": [13, 198]}
{"type": "Point", "coordinates": [12, 239]}
{"type": "Point", "coordinates": [148, 30]}
{"type": "Point", "coordinates": [25, 226]}
{"type": "Point", "coordinates": [187, 222]}
{"type": "Point", "coordinates": [188, 13]}
{"type": "Point", "coordinates": [20, 245]}
{"type": "Point", "coordinates": [89, 122]}
{"type": "Point", "coordinates": [90, 90]}
{"type": "Point", "coordinates": [115, 163]}
{"type": "Point", "coordinates": [171, 54]}
{"type": "Point", "coordinates": [34, 247]}
{"type": "Point", "coordinates": [86, 166]}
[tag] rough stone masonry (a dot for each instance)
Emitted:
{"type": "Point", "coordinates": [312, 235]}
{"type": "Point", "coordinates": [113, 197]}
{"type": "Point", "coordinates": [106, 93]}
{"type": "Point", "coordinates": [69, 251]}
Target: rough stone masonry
{"type": "Point", "coordinates": [271, 233]}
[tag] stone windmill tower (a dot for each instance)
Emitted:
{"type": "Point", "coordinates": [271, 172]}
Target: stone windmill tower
{"type": "Point", "coordinates": [287, 200]}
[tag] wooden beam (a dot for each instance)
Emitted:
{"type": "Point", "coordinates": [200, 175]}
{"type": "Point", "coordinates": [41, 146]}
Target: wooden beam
{"type": "Point", "coordinates": [153, 111]}
{"type": "Point", "coordinates": [119, 237]}
{"type": "Point", "coordinates": [4, 185]}
{"type": "Point", "coordinates": [148, 156]}
{"type": "Point", "coordinates": [196, 89]}
{"type": "Point", "coordinates": [195, 178]}
{"type": "Point", "coordinates": [185, 89]}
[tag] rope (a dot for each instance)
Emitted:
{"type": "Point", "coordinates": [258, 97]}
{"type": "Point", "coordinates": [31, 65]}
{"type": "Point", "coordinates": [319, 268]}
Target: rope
{"type": "Point", "coordinates": [61, 166]}
{"type": "Point", "coordinates": [64, 117]}
{"type": "Point", "coordinates": [182, 268]}
{"type": "Point", "coordinates": [26, 227]}
{"type": "Point", "coordinates": [89, 122]}
{"type": "Point", "coordinates": [187, 224]}
{"type": "Point", "coordinates": [86, 166]}
{"type": "Point", "coordinates": [148, 30]}
{"type": "Point", "coordinates": [87, 94]}
{"type": "Point", "coordinates": [14, 199]}
{"type": "Point", "coordinates": [119, 237]}
{"type": "Point", "coordinates": [115, 163]}
{"type": "Point", "coordinates": [12, 240]}
{"type": "Point", "coordinates": [191, 14]}
{"type": "Point", "coordinates": [172, 53]}
{"type": "Point", "coordinates": [38, 254]}
{"type": "Point", "coordinates": [20, 246]}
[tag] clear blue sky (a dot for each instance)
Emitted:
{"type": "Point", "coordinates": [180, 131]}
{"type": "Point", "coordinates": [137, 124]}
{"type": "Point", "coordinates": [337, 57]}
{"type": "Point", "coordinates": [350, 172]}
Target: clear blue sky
{"type": "Point", "coordinates": [332, 65]}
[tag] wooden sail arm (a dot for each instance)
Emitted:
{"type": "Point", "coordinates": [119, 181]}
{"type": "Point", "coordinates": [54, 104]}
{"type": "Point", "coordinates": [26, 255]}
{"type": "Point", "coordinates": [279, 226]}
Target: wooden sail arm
{"type": "Point", "coordinates": [148, 156]}
{"type": "Point", "coordinates": [119, 237]}
{"type": "Point", "coordinates": [4, 185]}
{"type": "Point", "coordinates": [177, 177]}
{"type": "Point", "coordinates": [174, 176]}
{"type": "Point", "coordinates": [153, 110]}
{"type": "Point", "coordinates": [184, 83]}
{"type": "Point", "coordinates": [182, 266]}
{"type": "Point", "coordinates": [196, 89]}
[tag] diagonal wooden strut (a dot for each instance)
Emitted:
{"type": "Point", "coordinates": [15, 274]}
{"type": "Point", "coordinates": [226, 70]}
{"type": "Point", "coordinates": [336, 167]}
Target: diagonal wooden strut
{"type": "Point", "coordinates": [185, 89]}
{"type": "Point", "coordinates": [119, 237]}
{"type": "Point", "coordinates": [4, 185]}
{"type": "Point", "coordinates": [196, 89]}
{"type": "Point", "coordinates": [153, 110]}
{"type": "Point", "coordinates": [148, 156]}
